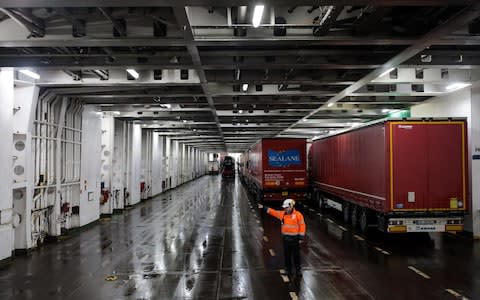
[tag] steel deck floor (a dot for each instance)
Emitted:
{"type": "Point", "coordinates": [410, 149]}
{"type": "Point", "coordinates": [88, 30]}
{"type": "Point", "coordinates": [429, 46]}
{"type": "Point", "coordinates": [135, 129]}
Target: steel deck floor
{"type": "Point", "coordinates": [206, 240]}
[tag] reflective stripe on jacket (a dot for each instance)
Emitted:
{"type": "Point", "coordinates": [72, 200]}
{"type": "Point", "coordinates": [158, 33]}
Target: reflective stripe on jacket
{"type": "Point", "coordinates": [292, 224]}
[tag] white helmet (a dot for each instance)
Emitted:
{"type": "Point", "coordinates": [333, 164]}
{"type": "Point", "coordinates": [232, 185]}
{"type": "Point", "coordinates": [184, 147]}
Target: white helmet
{"type": "Point", "coordinates": [288, 203]}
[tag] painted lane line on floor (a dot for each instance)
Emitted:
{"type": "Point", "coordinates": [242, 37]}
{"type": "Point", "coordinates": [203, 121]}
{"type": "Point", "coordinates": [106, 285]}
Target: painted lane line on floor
{"type": "Point", "coordinates": [261, 228]}
{"type": "Point", "coordinates": [419, 272]}
{"type": "Point", "coordinates": [265, 238]}
{"type": "Point", "coordinates": [342, 228]}
{"type": "Point", "coordinates": [330, 220]}
{"type": "Point", "coordinates": [258, 221]}
{"type": "Point", "coordinates": [319, 214]}
{"type": "Point", "coordinates": [381, 250]}
{"type": "Point", "coordinates": [456, 294]}
{"type": "Point", "coordinates": [285, 278]}
{"type": "Point", "coordinates": [293, 295]}
{"type": "Point", "coordinates": [283, 272]}
{"type": "Point", "coordinates": [272, 253]}
{"type": "Point", "coordinates": [358, 237]}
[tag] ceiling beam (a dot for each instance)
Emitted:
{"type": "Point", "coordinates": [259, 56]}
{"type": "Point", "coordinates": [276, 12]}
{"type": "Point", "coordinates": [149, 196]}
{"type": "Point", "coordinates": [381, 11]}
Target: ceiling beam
{"type": "Point", "coordinates": [462, 18]}
{"type": "Point", "coordinates": [183, 22]}
{"type": "Point", "coordinates": [221, 3]}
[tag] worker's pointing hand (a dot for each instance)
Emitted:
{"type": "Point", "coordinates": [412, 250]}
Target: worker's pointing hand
{"type": "Point", "coordinates": [260, 206]}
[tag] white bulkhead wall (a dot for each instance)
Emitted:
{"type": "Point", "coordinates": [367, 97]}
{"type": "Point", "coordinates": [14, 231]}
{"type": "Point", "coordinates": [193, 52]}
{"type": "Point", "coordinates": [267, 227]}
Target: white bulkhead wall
{"type": "Point", "coordinates": [157, 167]}
{"type": "Point", "coordinates": [464, 103]}
{"type": "Point", "coordinates": [134, 152]}
{"type": "Point", "coordinates": [108, 127]}
{"type": "Point", "coordinates": [146, 163]}
{"type": "Point", "coordinates": [25, 102]}
{"type": "Point", "coordinates": [118, 165]}
{"type": "Point", "coordinates": [6, 131]}
{"type": "Point", "coordinates": [90, 165]}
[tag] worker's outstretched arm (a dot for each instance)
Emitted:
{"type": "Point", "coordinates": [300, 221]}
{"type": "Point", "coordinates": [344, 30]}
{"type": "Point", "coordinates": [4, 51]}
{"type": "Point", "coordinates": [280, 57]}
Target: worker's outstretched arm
{"type": "Point", "coordinates": [276, 213]}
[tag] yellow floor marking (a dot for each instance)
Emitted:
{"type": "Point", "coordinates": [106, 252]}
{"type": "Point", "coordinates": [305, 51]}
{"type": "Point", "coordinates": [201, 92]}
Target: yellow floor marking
{"type": "Point", "coordinates": [146, 256]}
{"type": "Point", "coordinates": [358, 237]}
{"type": "Point", "coordinates": [342, 228]}
{"type": "Point", "coordinates": [293, 295]}
{"type": "Point", "coordinates": [381, 250]}
{"type": "Point", "coordinates": [265, 238]}
{"type": "Point", "coordinates": [272, 253]}
{"type": "Point", "coordinates": [285, 278]}
{"type": "Point", "coordinates": [419, 272]}
{"type": "Point", "coordinates": [456, 294]}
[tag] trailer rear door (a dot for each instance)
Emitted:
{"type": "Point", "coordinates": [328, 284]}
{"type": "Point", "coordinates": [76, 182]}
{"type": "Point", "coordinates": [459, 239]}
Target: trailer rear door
{"type": "Point", "coordinates": [427, 166]}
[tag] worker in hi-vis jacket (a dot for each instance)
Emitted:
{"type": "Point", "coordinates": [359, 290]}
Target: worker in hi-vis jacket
{"type": "Point", "coordinates": [293, 232]}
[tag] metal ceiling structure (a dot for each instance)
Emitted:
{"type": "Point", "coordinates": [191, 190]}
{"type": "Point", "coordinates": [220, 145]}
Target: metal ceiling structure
{"type": "Point", "coordinates": [209, 78]}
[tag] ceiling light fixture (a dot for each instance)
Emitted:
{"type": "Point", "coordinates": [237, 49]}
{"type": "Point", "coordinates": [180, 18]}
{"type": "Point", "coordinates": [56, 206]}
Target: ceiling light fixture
{"type": "Point", "coordinates": [133, 73]}
{"type": "Point", "coordinates": [330, 104]}
{"type": "Point", "coordinates": [245, 87]}
{"type": "Point", "coordinates": [115, 112]}
{"type": "Point", "coordinates": [257, 15]}
{"type": "Point", "coordinates": [385, 110]}
{"type": "Point", "coordinates": [240, 111]}
{"type": "Point", "coordinates": [457, 86]}
{"type": "Point", "coordinates": [30, 74]}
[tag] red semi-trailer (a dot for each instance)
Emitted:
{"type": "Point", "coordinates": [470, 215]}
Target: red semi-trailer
{"type": "Point", "coordinates": [276, 169]}
{"type": "Point", "coordinates": [400, 175]}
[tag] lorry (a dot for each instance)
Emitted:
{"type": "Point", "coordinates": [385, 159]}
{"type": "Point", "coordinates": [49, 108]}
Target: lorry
{"type": "Point", "coordinates": [276, 169]}
{"type": "Point", "coordinates": [398, 175]}
{"type": "Point", "coordinates": [228, 167]}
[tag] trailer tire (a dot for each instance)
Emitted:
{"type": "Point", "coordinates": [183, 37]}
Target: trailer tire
{"type": "Point", "coordinates": [354, 216]}
{"type": "Point", "coordinates": [346, 212]}
{"type": "Point", "coordinates": [364, 220]}
{"type": "Point", "coordinates": [259, 196]}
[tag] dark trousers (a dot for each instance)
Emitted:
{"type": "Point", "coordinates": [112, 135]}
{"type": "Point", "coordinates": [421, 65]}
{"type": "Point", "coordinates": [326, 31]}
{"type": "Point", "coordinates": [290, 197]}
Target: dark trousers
{"type": "Point", "coordinates": [291, 249]}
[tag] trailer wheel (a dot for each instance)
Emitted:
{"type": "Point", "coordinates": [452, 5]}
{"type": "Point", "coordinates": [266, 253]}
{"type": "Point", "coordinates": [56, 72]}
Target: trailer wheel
{"type": "Point", "coordinates": [354, 216]}
{"type": "Point", "coordinates": [346, 212]}
{"type": "Point", "coordinates": [259, 196]}
{"type": "Point", "coordinates": [364, 220]}
{"type": "Point", "coordinates": [318, 199]}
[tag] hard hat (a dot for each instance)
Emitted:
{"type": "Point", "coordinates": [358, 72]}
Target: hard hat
{"type": "Point", "coordinates": [288, 203]}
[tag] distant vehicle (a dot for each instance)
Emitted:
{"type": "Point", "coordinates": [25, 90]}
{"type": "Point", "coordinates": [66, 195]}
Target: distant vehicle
{"type": "Point", "coordinates": [276, 169]}
{"type": "Point", "coordinates": [213, 168]}
{"type": "Point", "coordinates": [228, 167]}
{"type": "Point", "coordinates": [400, 176]}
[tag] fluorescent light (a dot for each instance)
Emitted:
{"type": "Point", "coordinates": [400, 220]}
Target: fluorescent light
{"type": "Point", "coordinates": [245, 87]}
{"type": "Point", "coordinates": [330, 104]}
{"type": "Point", "coordinates": [240, 111]}
{"type": "Point", "coordinates": [133, 73]}
{"type": "Point", "coordinates": [386, 72]}
{"type": "Point", "coordinates": [184, 121]}
{"type": "Point", "coordinates": [30, 74]}
{"type": "Point", "coordinates": [116, 112]}
{"type": "Point", "coordinates": [457, 86]}
{"type": "Point", "coordinates": [304, 120]}
{"type": "Point", "coordinates": [385, 110]}
{"type": "Point", "coordinates": [257, 15]}
{"type": "Point", "coordinates": [167, 105]}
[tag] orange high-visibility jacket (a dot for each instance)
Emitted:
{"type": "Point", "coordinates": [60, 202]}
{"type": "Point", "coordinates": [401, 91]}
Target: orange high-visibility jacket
{"type": "Point", "coordinates": [292, 224]}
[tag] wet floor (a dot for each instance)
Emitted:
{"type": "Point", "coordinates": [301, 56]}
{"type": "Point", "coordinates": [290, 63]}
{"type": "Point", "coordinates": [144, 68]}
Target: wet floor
{"type": "Point", "coordinates": [206, 240]}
